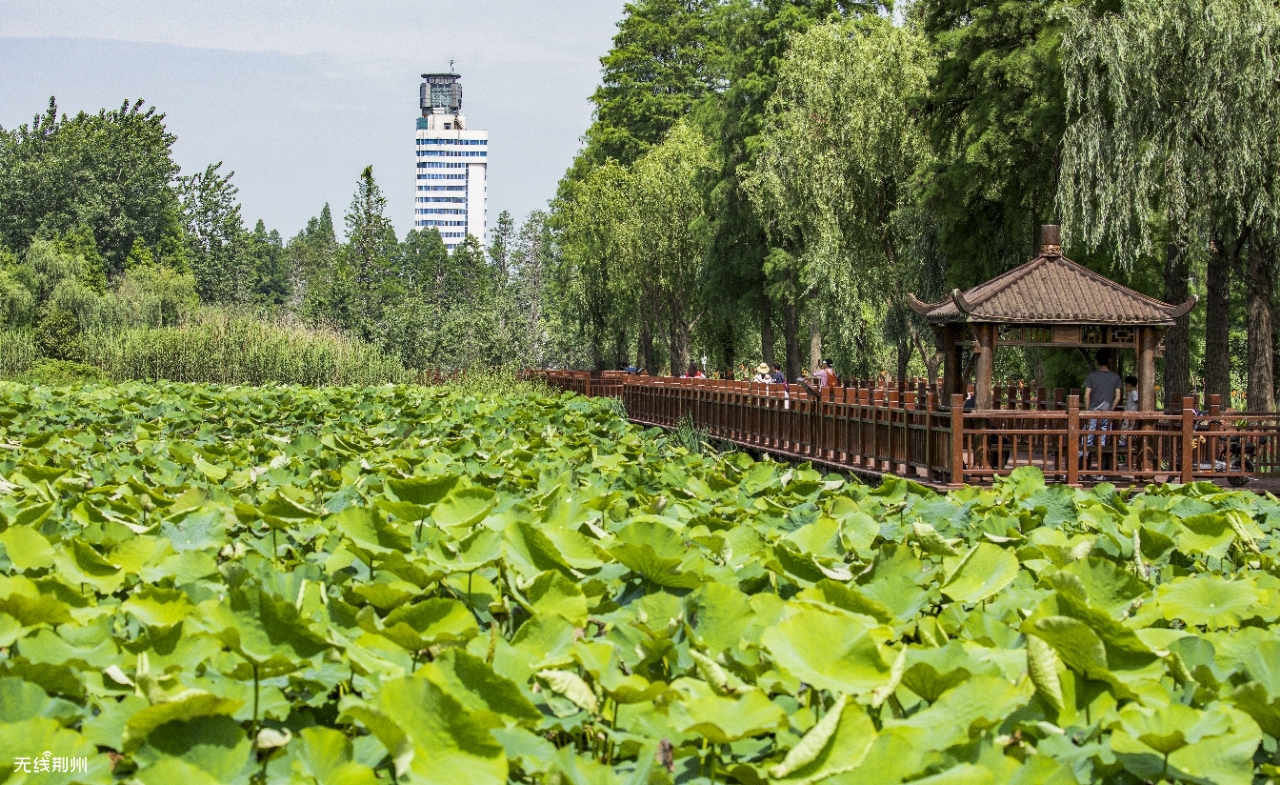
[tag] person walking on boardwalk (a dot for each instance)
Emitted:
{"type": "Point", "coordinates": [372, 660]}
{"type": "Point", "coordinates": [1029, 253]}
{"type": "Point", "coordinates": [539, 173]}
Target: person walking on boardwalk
{"type": "Point", "coordinates": [1103, 389]}
{"type": "Point", "coordinates": [762, 374]}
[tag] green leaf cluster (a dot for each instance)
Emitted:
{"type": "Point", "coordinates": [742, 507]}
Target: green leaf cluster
{"type": "Point", "coordinates": [426, 585]}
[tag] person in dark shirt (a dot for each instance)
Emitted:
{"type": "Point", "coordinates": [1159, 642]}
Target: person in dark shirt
{"type": "Point", "coordinates": [1103, 389]}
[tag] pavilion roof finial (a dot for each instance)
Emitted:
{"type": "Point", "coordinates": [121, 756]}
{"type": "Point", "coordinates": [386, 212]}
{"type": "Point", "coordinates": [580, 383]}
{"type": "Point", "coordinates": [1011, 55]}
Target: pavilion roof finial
{"type": "Point", "coordinates": [1050, 240]}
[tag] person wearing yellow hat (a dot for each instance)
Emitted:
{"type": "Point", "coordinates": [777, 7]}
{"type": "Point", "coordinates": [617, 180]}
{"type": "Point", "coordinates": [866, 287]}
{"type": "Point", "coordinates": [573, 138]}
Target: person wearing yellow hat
{"type": "Point", "coordinates": [762, 374]}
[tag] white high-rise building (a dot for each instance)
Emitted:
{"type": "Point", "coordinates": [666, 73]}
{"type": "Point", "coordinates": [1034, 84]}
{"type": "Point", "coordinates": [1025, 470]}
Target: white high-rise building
{"type": "Point", "coordinates": [453, 165]}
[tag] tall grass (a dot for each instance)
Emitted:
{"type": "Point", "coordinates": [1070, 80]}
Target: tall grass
{"type": "Point", "coordinates": [18, 350]}
{"type": "Point", "coordinates": [486, 381]}
{"type": "Point", "coordinates": [223, 347]}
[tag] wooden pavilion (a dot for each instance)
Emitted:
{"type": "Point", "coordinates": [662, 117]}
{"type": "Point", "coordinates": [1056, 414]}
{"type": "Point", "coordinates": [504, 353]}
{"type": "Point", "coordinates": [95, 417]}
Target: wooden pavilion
{"type": "Point", "coordinates": [1048, 301]}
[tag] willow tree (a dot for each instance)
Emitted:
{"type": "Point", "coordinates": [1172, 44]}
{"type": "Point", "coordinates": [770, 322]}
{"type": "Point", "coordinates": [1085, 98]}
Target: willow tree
{"type": "Point", "coordinates": [589, 215]}
{"type": "Point", "coordinates": [837, 166]}
{"type": "Point", "coordinates": [1174, 134]}
{"type": "Point", "coordinates": [666, 238]}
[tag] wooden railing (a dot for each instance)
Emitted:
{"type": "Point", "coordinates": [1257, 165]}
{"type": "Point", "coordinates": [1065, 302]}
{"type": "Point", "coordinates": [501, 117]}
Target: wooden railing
{"type": "Point", "coordinates": [878, 431]}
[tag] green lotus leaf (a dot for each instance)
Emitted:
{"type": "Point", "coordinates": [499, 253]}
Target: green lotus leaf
{"type": "Point", "coordinates": [531, 551]}
{"type": "Point", "coordinates": [46, 646]}
{"type": "Point", "coordinates": [431, 738]}
{"type": "Point", "coordinates": [430, 622]}
{"type": "Point", "coordinates": [848, 598]}
{"type": "Point", "coordinates": [1182, 743]}
{"type": "Point", "coordinates": [477, 549]}
{"type": "Point", "coordinates": [423, 491]}
{"type": "Point", "coordinates": [192, 706]}
{"type": "Point", "coordinates": [157, 607]}
{"type": "Point", "coordinates": [722, 720]}
{"type": "Point", "coordinates": [327, 755]}
{"type": "Point", "coordinates": [655, 552]}
{"type": "Point", "coordinates": [979, 704]}
{"type": "Point", "coordinates": [832, 651]}
{"type": "Point", "coordinates": [838, 743]}
{"type": "Point", "coordinates": [1075, 642]}
{"type": "Point", "coordinates": [984, 571]}
{"type": "Point", "coordinates": [1205, 535]}
{"type": "Point", "coordinates": [21, 700]}
{"type": "Point", "coordinates": [464, 506]}
{"type": "Point", "coordinates": [370, 531]}
{"type": "Point", "coordinates": [931, 672]}
{"type": "Point", "coordinates": [1264, 707]}
{"type": "Point", "coordinates": [932, 542]}
{"type": "Point", "coordinates": [261, 628]}
{"type": "Point", "coordinates": [282, 507]}
{"type": "Point", "coordinates": [473, 683]}
{"type": "Point", "coordinates": [1209, 601]}
{"type": "Point", "coordinates": [34, 737]}
{"type": "Point", "coordinates": [553, 593]}
{"type": "Point", "coordinates": [1106, 584]}
{"type": "Point", "coordinates": [215, 473]}
{"type": "Point", "coordinates": [78, 562]}
{"type": "Point", "coordinates": [211, 743]}
{"type": "Point", "coordinates": [27, 548]}
{"type": "Point", "coordinates": [531, 752]}
{"type": "Point", "coordinates": [719, 616]}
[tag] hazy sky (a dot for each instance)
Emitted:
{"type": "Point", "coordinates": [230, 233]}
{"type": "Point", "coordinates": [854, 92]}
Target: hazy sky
{"type": "Point", "coordinates": [298, 96]}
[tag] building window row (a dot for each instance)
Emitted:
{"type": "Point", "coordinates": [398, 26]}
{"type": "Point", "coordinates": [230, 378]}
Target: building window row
{"type": "Point", "coordinates": [454, 153]}
{"type": "Point", "coordinates": [442, 188]}
{"type": "Point", "coordinates": [449, 199]}
{"type": "Point", "coordinates": [454, 141]}
{"type": "Point", "coordinates": [439, 165]}
{"type": "Point", "coordinates": [441, 223]}
{"type": "Point", "coordinates": [439, 177]}
{"type": "Point", "coordinates": [439, 211]}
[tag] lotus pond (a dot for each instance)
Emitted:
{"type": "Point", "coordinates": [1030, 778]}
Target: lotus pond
{"type": "Point", "coordinates": [323, 587]}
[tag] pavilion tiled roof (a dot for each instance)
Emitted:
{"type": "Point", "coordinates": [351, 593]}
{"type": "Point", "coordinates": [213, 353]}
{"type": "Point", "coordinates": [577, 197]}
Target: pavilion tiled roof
{"type": "Point", "coordinates": [1051, 289]}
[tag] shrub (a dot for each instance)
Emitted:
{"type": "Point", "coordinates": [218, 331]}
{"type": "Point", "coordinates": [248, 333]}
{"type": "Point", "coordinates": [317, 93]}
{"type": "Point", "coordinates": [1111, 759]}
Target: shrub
{"type": "Point", "coordinates": [58, 335]}
{"type": "Point", "coordinates": [60, 373]}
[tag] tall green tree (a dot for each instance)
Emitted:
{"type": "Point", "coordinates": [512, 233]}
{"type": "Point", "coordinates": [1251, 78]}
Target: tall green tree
{"type": "Point", "coordinates": [216, 242]}
{"type": "Point", "coordinates": [367, 279]}
{"type": "Point", "coordinates": [1174, 137]}
{"type": "Point", "coordinates": [270, 269]}
{"type": "Point", "coordinates": [662, 63]}
{"type": "Point", "coordinates": [112, 172]}
{"type": "Point", "coordinates": [995, 110]}
{"type": "Point", "coordinates": [838, 161]}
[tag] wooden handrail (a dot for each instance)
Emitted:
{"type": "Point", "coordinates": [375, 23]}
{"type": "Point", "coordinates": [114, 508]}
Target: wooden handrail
{"type": "Point", "coordinates": [880, 430]}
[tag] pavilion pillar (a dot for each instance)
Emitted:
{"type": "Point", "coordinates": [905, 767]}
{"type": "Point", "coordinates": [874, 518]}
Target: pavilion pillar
{"type": "Point", "coordinates": [953, 362]}
{"type": "Point", "coordinates": [984, 378]}
{"type": "Point", "coordinates": [1146, 369]}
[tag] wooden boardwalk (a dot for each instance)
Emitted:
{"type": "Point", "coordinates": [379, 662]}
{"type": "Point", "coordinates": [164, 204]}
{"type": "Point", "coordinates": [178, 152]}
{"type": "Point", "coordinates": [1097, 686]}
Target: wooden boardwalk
{"type": "Point", "coordinates": [878, 431]}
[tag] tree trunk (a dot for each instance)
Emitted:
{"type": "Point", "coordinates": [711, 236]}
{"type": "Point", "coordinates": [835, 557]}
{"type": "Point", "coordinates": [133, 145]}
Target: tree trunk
{"type": "Point", "coordinates": [1260, 282]}
{"type": "Point", "coordinates": [648, 359]}
{"type": "Point", "coordinates": [766, 330]}
{"type": "Point", "coordinates": [791, 337]}
{"type": "Point", "coordinates": [1217, 347]}
{"type": "Point", "coordinates": [1177, 355]}
{"type": "Point", "coordinates": [904, 359]}
{"type": "Point", "coordinates": [679, 349]}
{"type": "Point", "coordinates": [815, 336]}
{"type": "Point", "coordinates": [619, 349]}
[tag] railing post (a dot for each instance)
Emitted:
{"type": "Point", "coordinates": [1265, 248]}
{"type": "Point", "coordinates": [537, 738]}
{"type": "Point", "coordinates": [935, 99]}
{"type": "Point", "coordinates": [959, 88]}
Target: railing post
{"type": "Point", "coordinates": [957, 440]}
{"type": "Point", "coordinates": [586, 385]}
{"type": "Point", "coordinates": [1188, 438]}
{"type": "Point", "coordinates": [1074, 453]}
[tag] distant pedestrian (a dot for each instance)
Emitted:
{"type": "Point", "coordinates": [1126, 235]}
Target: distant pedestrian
{"type": "Point", "coordinates": [778, 376]}
{"type": "Point", "coordinates": [1103, 389]}
{"type": "Point", "coordinates": [762, 374]}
